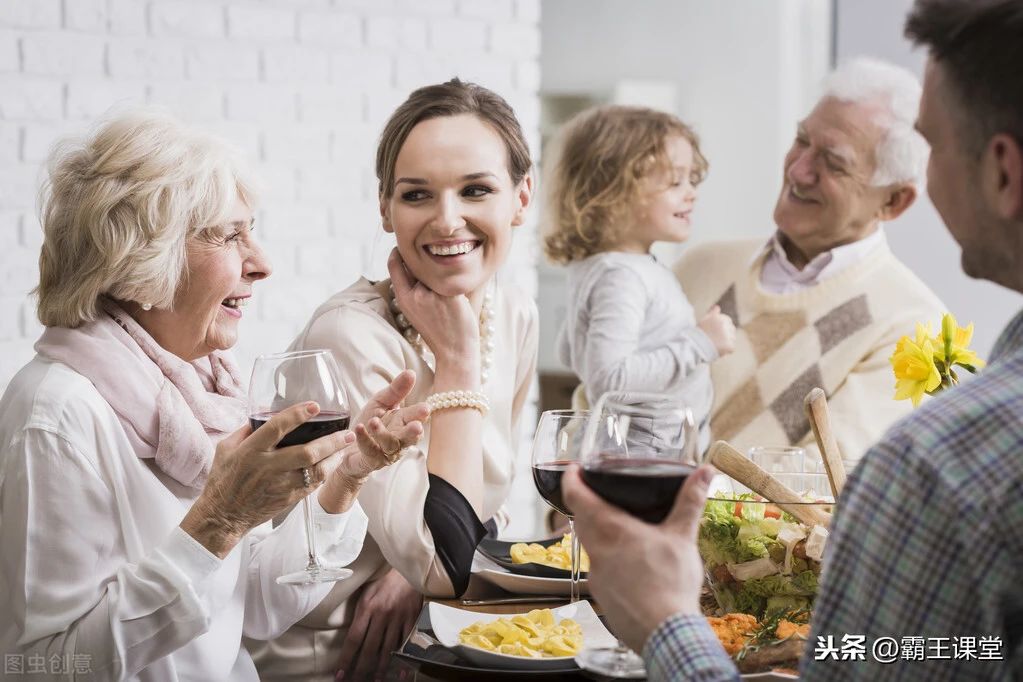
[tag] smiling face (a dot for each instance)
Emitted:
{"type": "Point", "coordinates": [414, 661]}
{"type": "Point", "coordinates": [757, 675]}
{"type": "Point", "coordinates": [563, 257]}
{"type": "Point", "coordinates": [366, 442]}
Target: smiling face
{"type": "Point", "coordinates": [827, 198]}
{"type": "Point", "coordinates": [222, 263]}
{"type": "Point", "coordinates": [663, 209]}
{"type": "Point", "coordinates": [453, 204]}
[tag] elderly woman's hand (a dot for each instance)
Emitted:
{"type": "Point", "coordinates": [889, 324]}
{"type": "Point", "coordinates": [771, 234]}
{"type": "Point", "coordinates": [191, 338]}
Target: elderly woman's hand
{"type": "Point", "coordinates": [448, 324]}
{"type": "Point", "coordinates": [251, 480]}
{"type": "Point", "coordinates": [383, 429]}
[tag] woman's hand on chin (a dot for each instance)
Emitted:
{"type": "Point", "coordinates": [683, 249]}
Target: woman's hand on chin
{"type": "Point", "coordinates": [252, 480]}
{"type": "Point", "coordinates": [382, 431]}
{"type": "Point", "coordinates": [448, 324]}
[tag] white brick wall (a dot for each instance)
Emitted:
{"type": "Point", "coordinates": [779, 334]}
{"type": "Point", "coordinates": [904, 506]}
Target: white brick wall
{"type": "Point", "coordinates": [30, 13]}
{"type": "Point", "coordinates": [302, 86]}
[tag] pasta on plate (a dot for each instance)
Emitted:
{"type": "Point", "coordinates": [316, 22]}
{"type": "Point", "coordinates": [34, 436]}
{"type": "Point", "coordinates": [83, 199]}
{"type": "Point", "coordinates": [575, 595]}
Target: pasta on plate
{"type": "Point", "coordinates": [558, 555]}
{"type": "Point", "coordinates": [531, 635]}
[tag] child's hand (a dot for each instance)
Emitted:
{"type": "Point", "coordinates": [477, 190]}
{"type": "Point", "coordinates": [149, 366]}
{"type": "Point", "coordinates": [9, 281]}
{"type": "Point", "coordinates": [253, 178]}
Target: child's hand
{"type": "Point", "coordinates": [720, 328]}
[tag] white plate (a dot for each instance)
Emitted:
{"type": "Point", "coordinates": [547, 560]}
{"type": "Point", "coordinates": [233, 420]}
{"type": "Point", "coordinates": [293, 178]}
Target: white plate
{"type": "Point", "coordinates": [446, 622]}
{"type": "Point", "coordinates": [525, 584]}
{"type": "Point", "coordinates": [768, 677]}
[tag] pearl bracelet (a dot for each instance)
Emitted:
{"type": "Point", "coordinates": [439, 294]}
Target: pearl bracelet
{"type": "Point", "coordinates": [447, 399]}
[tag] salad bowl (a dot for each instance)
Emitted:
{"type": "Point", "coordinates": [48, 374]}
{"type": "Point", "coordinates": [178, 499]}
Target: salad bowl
{"type": "Point", "coordinates": [759, 558]}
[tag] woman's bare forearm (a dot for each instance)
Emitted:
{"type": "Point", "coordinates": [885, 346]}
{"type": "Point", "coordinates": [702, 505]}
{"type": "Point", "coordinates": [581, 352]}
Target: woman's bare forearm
{"type": "Point", "coordinates": [456, 435]}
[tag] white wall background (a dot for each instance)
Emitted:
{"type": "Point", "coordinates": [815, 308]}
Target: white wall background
{"type": "Point", "coordinates": [744, 72]}
{"type": "Point", "coordinates": [920, 238]}
{"type": "Point", "coordinates": [303, 86]}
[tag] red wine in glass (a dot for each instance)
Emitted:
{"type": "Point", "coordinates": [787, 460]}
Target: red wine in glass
{"type": "Point", "coordinates": [638, 450]}
{"type": "Point", "coordinates": [321, 425]}
{"type": "Point", "coordinates": [557, 444]}
{"type": "Point", "coordinates": [286, 380]}
{"type": "Point", "coordinates": [645, 488]}
{"type": "Point", "coordinates": [547, 477]}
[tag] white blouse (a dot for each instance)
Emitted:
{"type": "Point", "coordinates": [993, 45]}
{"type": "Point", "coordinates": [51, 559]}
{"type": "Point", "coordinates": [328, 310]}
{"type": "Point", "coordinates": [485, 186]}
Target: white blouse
{"type": "Point", "coordinates": [96, 574]}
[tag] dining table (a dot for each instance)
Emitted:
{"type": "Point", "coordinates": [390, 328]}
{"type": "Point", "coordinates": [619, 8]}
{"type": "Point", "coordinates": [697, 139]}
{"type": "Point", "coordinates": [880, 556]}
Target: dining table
{"type": "Point", "coordinates": [402, 669]}
{"type": "Point", "coordinates": [421, 658]}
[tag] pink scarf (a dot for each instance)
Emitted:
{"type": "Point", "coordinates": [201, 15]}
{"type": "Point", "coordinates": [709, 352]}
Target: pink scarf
{"type": "Point", "coordinates": [171, 410]}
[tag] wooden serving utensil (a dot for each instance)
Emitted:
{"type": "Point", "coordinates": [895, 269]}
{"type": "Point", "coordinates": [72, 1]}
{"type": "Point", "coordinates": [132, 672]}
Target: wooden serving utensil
{"type": "Point", "coordinates": [731, 462]}
{"type": "Point", "coordinates": [816, 405]}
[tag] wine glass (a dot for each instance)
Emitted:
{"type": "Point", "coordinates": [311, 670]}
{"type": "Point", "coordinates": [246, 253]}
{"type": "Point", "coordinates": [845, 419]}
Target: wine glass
{"type": "Point", "coordinates": [556, 445]}
{"type": "Point", "coordinates": [285, 379]}
{"type": "Point", "coordinates": [638, 450]}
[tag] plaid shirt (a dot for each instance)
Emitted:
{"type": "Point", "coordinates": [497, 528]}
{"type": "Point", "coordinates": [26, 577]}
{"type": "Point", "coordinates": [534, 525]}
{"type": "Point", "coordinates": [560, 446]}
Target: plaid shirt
{"type": "Point", "coordinates": [924, 574]}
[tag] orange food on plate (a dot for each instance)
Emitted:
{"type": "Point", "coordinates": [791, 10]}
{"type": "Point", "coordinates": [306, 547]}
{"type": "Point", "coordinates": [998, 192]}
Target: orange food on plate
{"type": "Point", "coordinates": [787, 628]}
{"type": "Point", "coordinates": [733, 630]}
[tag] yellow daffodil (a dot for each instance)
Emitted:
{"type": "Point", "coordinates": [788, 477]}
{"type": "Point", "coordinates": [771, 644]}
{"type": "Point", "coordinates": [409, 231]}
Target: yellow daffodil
{"type": "Point", "coordinates": [957, 340]}
{"type": "Point", "coordinates": [925, 363]}
{"type": "Point", "coordinates": [914, 368]}
{"type": "Point", "coordinates": [924, 333]}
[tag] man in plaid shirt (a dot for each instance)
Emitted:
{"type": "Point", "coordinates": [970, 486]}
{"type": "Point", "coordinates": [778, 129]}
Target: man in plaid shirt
{"type": "Point", "coordinates": [924, 573]}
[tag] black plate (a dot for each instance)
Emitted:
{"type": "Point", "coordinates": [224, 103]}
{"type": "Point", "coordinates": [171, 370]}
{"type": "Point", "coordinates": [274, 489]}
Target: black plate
{"type": "Point", "coordinates": [499, 552]}
{"type": "Point", "coordinates": [424, 651]}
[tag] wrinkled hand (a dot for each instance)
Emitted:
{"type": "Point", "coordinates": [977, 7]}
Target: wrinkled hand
{"type": "Point", "coordinates": [385, 614]}
{"type": "Point", "coordinates": [622, 547]}
{"type": "Point", "coordinates": [251, 480]}
{"type": "Point", "coordinates": [382, 431]}
{"type": "Point", "coordinates": [448, 324]}
{"type": "Point", "coordinates": [720, 328]}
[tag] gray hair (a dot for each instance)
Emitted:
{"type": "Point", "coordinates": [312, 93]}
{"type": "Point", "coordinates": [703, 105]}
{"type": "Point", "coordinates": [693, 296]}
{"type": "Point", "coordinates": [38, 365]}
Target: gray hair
{"type": "Point", "coordinates": [902, 152]}
{"type": "Point", "coordinates": [119, 206]}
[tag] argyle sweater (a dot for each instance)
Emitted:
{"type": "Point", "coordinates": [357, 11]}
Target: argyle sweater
{"type": "Point", "coordinates": [837, 335]}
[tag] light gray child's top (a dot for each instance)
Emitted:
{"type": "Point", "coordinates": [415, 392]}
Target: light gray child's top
{"type": "Point", "coordinates": [630, 327]}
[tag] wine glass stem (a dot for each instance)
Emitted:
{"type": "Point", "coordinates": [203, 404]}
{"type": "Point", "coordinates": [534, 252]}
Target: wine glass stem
{"type": "Point", "coordinates": [621, 660]}
{"type": "Point", "coordinates": [310, 537]}
{"type": "Point", "coordinates": [574, 594]}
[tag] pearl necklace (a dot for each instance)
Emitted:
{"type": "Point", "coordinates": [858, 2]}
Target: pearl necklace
{"type": "Point", "coordinates": [486, 333]}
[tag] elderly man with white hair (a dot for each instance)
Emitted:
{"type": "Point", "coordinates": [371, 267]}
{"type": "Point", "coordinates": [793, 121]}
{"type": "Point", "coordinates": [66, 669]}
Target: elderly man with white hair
{"type": "Point", "coordinates": [824, 301]}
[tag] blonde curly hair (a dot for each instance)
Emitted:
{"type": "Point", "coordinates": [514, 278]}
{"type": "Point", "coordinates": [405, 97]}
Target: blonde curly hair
{"type": "Point", "coordinates": [599, 163]}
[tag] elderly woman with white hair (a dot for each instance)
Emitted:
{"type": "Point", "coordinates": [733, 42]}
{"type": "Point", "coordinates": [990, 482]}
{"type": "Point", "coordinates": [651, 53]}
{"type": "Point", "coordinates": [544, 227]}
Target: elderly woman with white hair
{"type": "Point", "coordinates": [823, 301]}
{"type": "Point", "coordinates": [134, 499]}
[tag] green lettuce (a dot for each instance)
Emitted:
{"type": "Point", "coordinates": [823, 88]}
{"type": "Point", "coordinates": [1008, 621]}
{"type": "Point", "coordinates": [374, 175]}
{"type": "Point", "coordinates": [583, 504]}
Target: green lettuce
{"type": "Point", "coordinates": [806, 582]}
{"type": "Point", "coordinates": [718, 532]}
{"type": "Point", "coordinates": [725, 538]}
{"type": "Point", "coordinates": [786, 604]}
{"type": "Point", "coordinates": [803, 584]}
{"type": "Point", "coordinates": [749, 602]}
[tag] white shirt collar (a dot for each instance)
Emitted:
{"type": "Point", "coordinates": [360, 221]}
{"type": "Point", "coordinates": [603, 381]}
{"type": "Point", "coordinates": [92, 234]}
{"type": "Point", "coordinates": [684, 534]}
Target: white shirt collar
{"type": "Point", "coordinates": [779, 275]}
